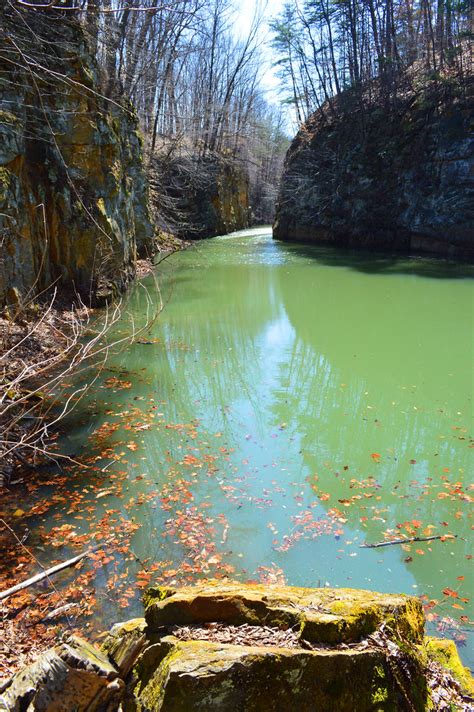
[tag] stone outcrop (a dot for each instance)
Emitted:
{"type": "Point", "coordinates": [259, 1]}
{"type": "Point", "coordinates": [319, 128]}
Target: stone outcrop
{"type": "Point", "coordinates": [320, 615]}
{"type": "Point", "coordinates": [253, 648]}
{"type": "Point", "coordinates": [73, 192]}
{"type": "Point", "coordinates": [398, 178]}
{"type": "Point", "coordinates": [72, 676]}
{"type": "Point", "coordinates": [198, 197]}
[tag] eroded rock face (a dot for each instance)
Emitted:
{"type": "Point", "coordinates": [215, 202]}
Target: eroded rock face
{"type": "Point", "coordinates": [234, 647]}
{"type": "Point", "coordinates": [398, 180]}
{"type": "Point", "coordinates": [73, 194]}
{"type": "Point", "coordinates": [73, 676]}
{"type": "Point", "coordinates": [203, 196]}
{"type": "Point", "coordinates": [322, 615]}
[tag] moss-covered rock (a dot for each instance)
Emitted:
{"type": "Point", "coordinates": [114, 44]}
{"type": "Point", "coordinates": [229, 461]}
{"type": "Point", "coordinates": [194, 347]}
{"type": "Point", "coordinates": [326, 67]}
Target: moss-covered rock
{"type": "Point", "coordinates": [200, 675]}
{"type": "Point", "coordinates": [321, 615]}
{"type": "Point", "coordinates": [73, 191]}
{"type": "Point", "coordinates": [445, 653]}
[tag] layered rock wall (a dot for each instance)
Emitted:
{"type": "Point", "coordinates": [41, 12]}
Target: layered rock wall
{"type": "Point", "coordinates": [73, 193]}
{"type": "Point", "coordinates": [398, 178]}
{"type": "Point", "coordinates": [198, 197]}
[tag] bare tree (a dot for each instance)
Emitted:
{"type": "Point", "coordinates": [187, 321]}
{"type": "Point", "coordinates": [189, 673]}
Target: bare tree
{"type": "Point", "coordinates": [324, 47]}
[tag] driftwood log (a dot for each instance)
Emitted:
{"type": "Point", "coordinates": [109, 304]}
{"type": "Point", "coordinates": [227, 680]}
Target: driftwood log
{"type": "Point", "coordinates": [46, 573]}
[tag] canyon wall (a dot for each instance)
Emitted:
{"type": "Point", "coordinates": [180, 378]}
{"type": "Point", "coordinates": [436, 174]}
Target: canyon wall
{"type": "Point", "coordinates": [73, 191]}
{"type": "Point", "coordinates": [362, 173]}
{"type": "Point", "coordinates": [196, 197]}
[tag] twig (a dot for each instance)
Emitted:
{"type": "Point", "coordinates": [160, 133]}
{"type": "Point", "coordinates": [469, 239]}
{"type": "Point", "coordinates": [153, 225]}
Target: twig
{"type": "Point", "coordinates": [46, 574]}
{"type": "Point", "coordinates": [407, 541]}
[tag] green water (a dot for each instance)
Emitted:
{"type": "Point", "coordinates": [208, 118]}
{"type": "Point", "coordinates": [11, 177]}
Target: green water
{"type": "Point", "coordinates": [292, 404]}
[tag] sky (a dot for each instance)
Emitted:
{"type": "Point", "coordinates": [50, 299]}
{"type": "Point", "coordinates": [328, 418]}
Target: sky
{"type": "Point", "coordinates": [245, 12]}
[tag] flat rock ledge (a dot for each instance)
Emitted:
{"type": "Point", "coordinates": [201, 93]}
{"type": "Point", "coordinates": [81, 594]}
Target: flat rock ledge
{"type": "Point", "coordinates": [238, 647]}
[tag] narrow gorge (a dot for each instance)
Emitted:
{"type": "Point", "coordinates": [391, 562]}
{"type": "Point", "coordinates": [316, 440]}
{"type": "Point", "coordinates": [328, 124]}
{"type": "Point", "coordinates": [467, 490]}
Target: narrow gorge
{"type": "Point", "coordinates": [236, 317]}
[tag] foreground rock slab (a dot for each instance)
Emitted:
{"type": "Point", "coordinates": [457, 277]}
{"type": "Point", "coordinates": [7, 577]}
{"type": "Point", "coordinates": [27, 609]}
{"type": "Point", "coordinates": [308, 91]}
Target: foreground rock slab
{"type": "Point", "coordinates": [231, 647]}
{"type": "Point", "coordinates": [320, 615]}
{"type": "Point", "coordinates": [73, 676]}
{"type": "Point", "coordinates": [207, 676]}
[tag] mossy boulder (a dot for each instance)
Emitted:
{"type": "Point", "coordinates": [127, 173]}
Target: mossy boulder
{"type": "Point", "coordinates": [200, 675]}
{"type": "Point", "coordinates": [176, 674]}
{"type": "Point", "coordinates": [229, 646]}
{"type": "Point", "coordinates": [73, 676]}
{"type": "Point", "coordinates": [321, 615]}
{"type": "Point", "coordinates": [444, 652]}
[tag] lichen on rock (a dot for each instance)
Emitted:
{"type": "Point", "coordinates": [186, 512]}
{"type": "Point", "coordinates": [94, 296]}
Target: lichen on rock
{"type": "Point", "coordinates": [197, 649]}
{"type": "Point", "coordinates": [73, 191]}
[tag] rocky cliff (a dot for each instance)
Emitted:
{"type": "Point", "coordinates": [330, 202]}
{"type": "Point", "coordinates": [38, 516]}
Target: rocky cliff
{"type": "Point", "coordinates": [398, 177]}
{"type": "Point", "coordinates": [253, 648]}
{"type": "Point", "coordinates": [73, 195]}
{"type": "Point", "coordinates": [198, 197]}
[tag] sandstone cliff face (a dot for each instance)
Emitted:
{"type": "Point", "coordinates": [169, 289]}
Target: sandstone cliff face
{"type": "Point", "coordinates": [400, 180]}
{"type": "Point", "coordinates": [197, 197]}
{"type": "Point", "coordinates": [73, 207]}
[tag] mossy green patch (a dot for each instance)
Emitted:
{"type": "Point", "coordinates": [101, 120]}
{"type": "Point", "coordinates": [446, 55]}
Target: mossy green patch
{"type": "Point", "coordinates": [6, 117]}
{"type": "Point", "coordinates": [445, 653]}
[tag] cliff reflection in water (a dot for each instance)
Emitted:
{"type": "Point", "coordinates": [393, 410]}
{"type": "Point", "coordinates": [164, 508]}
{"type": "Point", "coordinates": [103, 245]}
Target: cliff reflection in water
{"type": "Point", "coordinates": [284, 410]}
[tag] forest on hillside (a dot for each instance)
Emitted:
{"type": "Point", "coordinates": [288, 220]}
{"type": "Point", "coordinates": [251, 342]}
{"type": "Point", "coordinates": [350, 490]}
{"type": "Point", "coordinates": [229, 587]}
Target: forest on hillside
{"type": "Point", "coordinates": [196, 83]}
{"type": "Point", "coordinates": [327, 47]}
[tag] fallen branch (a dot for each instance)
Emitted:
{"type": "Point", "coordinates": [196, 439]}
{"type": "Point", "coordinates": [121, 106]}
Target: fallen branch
{"type": "Point", "coordinates": [407, 541]}
{"type": "Point", "coordinates": [61, 611]}
{"type": "Point", "coordinates": [47, 573]}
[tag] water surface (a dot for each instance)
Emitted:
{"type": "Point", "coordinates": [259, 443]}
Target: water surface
{"type": "Point", "coordinates": [288, 405]}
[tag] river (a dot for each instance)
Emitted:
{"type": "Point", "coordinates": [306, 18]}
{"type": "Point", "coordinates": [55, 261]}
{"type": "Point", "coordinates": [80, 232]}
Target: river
{"type": "Point", "coordinates": [288, 405]}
